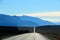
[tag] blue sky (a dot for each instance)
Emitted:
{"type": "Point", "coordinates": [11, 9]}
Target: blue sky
{"type": "Point", "coordinates": [27, 6]}
{"type": "Point", "coordinates": [30, 6]}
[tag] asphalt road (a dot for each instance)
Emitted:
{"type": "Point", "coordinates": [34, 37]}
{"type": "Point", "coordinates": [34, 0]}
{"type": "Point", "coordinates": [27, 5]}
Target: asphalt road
{"type": "Point", "coordinates": [28, 36]}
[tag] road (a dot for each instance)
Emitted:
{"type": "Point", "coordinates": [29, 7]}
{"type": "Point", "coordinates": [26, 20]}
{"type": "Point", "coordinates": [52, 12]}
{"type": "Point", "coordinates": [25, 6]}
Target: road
{"type": "Point", "coordinates": [28, 36]}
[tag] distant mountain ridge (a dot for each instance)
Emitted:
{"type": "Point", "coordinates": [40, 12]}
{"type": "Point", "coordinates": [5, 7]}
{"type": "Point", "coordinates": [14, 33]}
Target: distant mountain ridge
{"type": "Point", "coordinates": [36, 20]}
{"type": "Point", "coordinates": [57, 23]}
{"type": "Point", "coordinates": [6, 20]}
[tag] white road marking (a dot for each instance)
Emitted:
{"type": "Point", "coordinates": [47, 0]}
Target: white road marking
{"type": "Point", "coordinates": [34, 29]}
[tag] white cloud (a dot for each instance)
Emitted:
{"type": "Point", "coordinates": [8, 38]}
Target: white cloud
{"type": "Point", "coordinates": [44, 14]}
{"type": "Point", "coordinates": [51, 19]}
{"type": "Point", "coordinates": [40, 14]}
{"type": "Point", "coordinates": [50, 16]}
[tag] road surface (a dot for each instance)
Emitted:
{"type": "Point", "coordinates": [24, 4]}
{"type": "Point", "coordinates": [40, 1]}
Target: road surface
{"type": "Point", "coordinates": [28, 36]}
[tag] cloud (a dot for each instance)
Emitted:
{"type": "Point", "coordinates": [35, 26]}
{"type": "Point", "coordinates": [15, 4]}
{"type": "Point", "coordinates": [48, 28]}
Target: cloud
{"type": "Point", "coordinates": [49, 16]}
{"type": "Point", "coordinates": [40, 14]}
{"type": "Point", "coordinates": [51, 19]}
{"type": "Point", "coordinates": [44, 14]}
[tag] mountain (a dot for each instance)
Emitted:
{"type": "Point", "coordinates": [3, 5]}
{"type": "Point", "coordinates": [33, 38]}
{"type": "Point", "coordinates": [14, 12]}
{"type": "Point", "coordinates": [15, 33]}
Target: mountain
{"type": "Point", "coordinates": [6, 20]}
{"type": "Point", "coordinates": [36, 20]}
{"type": "Point", "coordinates": [27, 23]}
{"type": "Point", "coordinates": [57, 23]}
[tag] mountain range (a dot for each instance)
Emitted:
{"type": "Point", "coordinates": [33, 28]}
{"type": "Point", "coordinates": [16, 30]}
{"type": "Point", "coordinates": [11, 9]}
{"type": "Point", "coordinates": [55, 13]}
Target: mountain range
{"type": "Point", "coordinates": [28, 21]}
{"type": "Point", "coordinates": [58, 23]}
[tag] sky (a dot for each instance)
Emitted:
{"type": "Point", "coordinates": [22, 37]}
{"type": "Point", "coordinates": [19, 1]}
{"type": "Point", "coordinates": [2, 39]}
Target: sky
{"type": "Point", "coordinates": [45, 9]}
